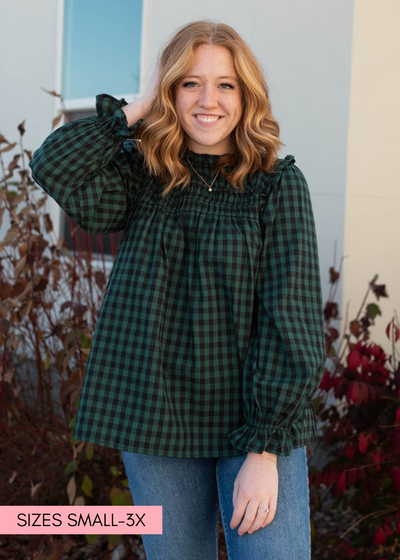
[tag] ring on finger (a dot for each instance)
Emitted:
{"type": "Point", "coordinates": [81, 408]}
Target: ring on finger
{"type": "Point", "coordinates": [264, 509]}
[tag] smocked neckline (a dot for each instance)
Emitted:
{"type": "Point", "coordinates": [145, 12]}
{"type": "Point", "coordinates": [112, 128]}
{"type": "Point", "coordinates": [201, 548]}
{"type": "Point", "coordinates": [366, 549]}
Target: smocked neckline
{"type": "Point", "coordinates": [211, 159]}
{"type": "Point", "coordinates": [207, 159]}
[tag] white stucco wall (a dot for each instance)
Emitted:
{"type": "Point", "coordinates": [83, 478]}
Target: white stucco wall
{"type": "Point", "coordinates": [28, 61]}
{"type": "Point", "coordinates": [28, 41]}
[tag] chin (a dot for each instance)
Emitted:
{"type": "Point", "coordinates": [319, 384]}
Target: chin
{"type": "Point", "coordinates": [207, 142]}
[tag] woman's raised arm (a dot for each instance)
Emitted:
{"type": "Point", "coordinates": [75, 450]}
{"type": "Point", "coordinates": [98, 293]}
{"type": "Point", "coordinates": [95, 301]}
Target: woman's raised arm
{"type": "Point", "coordinates": [91, 166]}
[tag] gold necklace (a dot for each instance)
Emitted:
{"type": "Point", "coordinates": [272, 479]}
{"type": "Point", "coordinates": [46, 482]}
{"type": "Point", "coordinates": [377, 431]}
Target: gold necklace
{"type": "Point", "coordinates": [209, 186]}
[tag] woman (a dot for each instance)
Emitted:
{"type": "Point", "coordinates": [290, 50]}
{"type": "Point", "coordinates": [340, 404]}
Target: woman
{"type": "Point", "coordinates": [209, 345]}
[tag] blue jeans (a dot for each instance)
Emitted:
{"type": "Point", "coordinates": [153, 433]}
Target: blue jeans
{"type": "Point", "coordinates": [191, 492]}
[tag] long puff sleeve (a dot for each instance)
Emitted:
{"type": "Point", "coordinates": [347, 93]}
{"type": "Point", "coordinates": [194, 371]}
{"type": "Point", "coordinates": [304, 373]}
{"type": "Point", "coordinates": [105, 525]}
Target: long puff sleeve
{"type": "Point", "coordinates": [91, 167]}
{"type": "Point", "coordinates": [290, 347]}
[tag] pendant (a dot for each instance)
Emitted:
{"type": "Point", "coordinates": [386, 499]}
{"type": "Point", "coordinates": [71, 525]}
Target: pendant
{"type": "Point", "coordinates": [210, 189]}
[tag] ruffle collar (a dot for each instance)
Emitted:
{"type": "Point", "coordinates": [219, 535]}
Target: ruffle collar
{"type": "Point", "coordinates": [202, 159]}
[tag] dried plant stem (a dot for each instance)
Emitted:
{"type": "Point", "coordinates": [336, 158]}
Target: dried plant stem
{"type": "Point", "coordinates": [373, 514]}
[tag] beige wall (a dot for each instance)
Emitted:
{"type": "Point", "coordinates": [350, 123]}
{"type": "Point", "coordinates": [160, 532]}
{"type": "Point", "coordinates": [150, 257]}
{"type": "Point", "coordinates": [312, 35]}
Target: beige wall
{"type": "Point", "coordinates": [372, 219]}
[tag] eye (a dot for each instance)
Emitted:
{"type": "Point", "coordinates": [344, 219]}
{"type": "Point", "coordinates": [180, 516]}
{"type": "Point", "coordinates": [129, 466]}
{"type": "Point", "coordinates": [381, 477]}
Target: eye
{"type": "Point", "coordinates": [230, 86]}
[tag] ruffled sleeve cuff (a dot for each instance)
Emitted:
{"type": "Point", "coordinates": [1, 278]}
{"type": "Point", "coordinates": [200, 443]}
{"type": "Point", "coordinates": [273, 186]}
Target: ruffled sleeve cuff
{"type": "Point", "coordinates": [276, 438]}
{"type": "Point", "coordinates": [112, 117]}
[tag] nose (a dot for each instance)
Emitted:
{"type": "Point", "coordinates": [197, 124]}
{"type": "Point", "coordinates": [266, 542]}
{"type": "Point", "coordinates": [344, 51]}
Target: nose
{"type": "Point", "coordinates": [208, 97]}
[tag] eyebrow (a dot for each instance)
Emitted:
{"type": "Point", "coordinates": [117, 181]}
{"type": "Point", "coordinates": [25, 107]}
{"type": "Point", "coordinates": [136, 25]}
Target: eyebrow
{"type": "Point", "coordinates": [219, 77]}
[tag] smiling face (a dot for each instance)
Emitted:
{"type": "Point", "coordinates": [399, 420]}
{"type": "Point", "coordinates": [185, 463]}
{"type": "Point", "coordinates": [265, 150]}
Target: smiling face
{"type": "Point", "coordinates": [208, 100]}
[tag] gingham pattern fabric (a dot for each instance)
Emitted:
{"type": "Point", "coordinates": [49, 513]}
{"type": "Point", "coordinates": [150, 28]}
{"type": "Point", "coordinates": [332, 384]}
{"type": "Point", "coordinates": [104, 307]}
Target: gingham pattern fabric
{"type": "Point", "coordinates": [210, 339]}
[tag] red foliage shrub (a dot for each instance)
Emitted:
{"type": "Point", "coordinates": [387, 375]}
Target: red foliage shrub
{"type": "Point", "coordinates": [361, 431]}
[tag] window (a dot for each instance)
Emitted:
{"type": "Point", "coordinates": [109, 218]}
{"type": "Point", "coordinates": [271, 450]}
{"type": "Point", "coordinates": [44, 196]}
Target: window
{"type": "Point", "coordinates": [101, 47]}
{"type": "Point", "coordinates": [101, 51]}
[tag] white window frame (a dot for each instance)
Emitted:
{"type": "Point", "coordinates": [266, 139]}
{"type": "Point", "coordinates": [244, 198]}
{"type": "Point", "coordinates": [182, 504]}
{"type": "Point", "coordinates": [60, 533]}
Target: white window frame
{"type": "Point", "coordinates": [86, 103]}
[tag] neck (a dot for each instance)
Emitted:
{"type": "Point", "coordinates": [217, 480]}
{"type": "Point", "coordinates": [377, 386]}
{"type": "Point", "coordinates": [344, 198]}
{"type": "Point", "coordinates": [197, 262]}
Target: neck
{"type": "Point", "coordinates": [208, 153]}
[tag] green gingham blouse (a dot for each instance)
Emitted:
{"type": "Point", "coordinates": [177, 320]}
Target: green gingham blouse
{"type": "Point", "coordinates": [210, 338]}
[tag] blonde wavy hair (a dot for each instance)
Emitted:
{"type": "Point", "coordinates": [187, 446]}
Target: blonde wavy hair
{"type": "Point", "coordinates": [255, 139]}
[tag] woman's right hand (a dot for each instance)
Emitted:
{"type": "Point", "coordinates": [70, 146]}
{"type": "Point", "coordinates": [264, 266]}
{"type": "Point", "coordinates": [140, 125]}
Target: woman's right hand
{"type": "Point", "coordinates": [141, 106]}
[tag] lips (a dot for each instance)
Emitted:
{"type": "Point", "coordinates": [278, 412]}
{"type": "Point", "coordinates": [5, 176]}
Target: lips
{"type": "Point", "coordinates": [209, 123]}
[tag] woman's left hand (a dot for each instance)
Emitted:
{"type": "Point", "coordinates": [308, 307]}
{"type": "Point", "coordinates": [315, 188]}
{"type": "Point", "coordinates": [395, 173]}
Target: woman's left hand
{"type": "Point", "coordinates": [256, 485]}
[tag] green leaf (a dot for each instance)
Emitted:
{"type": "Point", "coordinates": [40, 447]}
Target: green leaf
{"type": "Point", "coordinates": [125, 483]}
{"type": "Point", "coordinates": [46, 361]}
{"type": "Point", "coordinates": [316, 404]}
{"type": "Point", "coordinates": [59, 359]}
{"type": "Point", "coordinates": [72, 422]}
{"type": "Point", "coordinates": [71, 467]}
{"type": "Point", "coordinates": [85, 341]}
{"type": "Point", "coordinates": [72, 440]}
{"type": "Point", "coordinates": [129, 499]}
{"type": "Point", "coordinates": [91, 539]}
{"type": "Point", "coordinates": [118, 497]}
{"type": "Point", "coordinates": [335, 504]}
{"type": "Point", "coordinates": [70, 336]}
{"type": "Point", "coordinates": [89, 451]}
{"type": "Point", "coordinates": [87, 486]}
{"type": "Point", "coordinates": [332, 352]}
{"type": "Point", "coordinates": [386, 483]}
{"type": "Point", "coordinates": [113, 540]}
{"type": "Point", "coordinates": [119, 500]}
{"type": "Point", "coordinates": [373, 310]}
{"type": "Point", "coordinates": [114, 471]}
